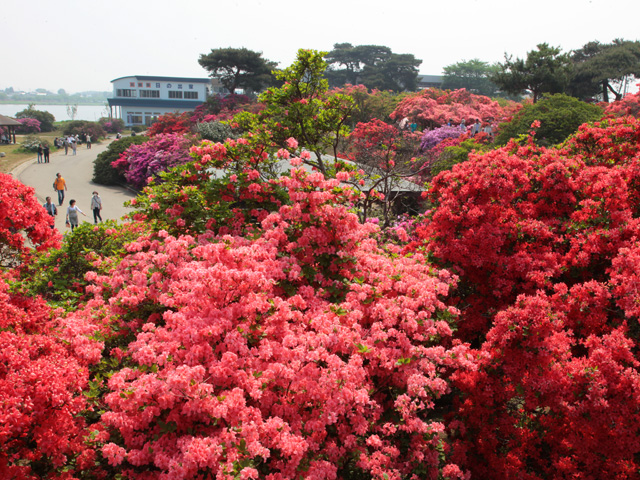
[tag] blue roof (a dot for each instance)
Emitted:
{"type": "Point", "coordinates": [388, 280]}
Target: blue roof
{"type": "Point", "coordinates": [166, 79]}
{"type": "Point", "coordinates": [153, 102]}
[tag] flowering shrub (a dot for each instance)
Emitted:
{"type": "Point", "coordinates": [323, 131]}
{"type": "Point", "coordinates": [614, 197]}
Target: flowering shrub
{"type": "Point", "coordinates": [432, 108]}
{"type": "Point", "coordinates": [629, 105]}
{"type": "Point", "coordinates": [177, 123]}
{"type": "Point", "coordinates": [29, 125]}
{"type": "Point", "coordinates": [432, 138]}
{"type": "Point", "coordinates": [147, 160]}
{"type": "Point", "coordinates": [215, 131]}
{"type": "Point", "coordinates": [306, 350]}
{"type": "Point", "coordinates": [545, 243]}
{"type": "Point", "coordinates": [24, 224]}
{"type": "Point", "coordinates": [112, 125]}
{"type": "Point", "coordinates": [42, 434]}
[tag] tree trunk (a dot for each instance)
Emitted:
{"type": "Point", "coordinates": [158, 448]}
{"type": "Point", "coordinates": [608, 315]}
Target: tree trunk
{"type": "Point", "coordinates": [605, 91]}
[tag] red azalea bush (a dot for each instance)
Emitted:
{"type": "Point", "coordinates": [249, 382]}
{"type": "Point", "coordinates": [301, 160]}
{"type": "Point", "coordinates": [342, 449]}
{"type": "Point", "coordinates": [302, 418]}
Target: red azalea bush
{"type": "Point", "coordinates": [433, 108]}
{"type": "Point", "coordinates": [629, 105]}
{"type": "Point", "coordinates": [178, 123]}
{"type": "Point", "coordinates": [303, 350]}
{"type": "Point", "coordinates": [162, 152]}
{"type": "Point", "coordinates": [42, 432]}
{"type": "Point", "coordinates": [545, 243]}
{"type": "Point", "coordinates": [24, 224]}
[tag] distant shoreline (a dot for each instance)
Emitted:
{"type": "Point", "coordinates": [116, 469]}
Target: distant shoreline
{"type": "Point", "coordinates": [4, 102]}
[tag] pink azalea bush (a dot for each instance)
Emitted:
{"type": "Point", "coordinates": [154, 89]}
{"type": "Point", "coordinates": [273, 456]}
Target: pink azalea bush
{"type": "Point", "coordinates": [29, 125]}
{"type": "Point", "coordinates": [303, 350]}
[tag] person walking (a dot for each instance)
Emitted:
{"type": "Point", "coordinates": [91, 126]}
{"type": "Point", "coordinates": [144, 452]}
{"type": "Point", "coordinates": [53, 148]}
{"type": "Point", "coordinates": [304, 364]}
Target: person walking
{"type": "Point", "coordinates": [45, 151]}
{"type": "Point", "coordinates": [60, 185]}
{"type": "Point", "coordinates": [39, 153]}
{"type": "Point", "coordinates": [65, 141]}
{"type": "Point", "coordinates": [88, 142]}
{"type": "Point", "coordinates": [74, 144]}
{"type": "Point", "coordinates": [51, 210]}
{"type": "Point", "coordinates": [96, 206]}
{"type": "Point", "coordinates": [72, 215]}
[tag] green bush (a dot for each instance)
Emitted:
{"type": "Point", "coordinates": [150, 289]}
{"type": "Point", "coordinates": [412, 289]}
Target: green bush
{"type": "Point", "coordinates": [559, 116]}
{"type": "Point", "coordinates": [453, 155]}
{"type": "Point", "coordinates": [45, 118]}
{"type": "Point", "coordinates": [31, 143]}
{"type": "Point", "coordinates": [215, 131]}
{"type": "Point", "coordinates": [78, 127]}
{"type": "Point", "coordinates": [138, 128]}
{"type": "Point", "coordinates": [103, 172]}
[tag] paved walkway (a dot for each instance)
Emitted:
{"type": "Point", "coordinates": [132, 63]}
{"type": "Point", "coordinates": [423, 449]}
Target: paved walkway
{"type": "Point", "coordinates": [77, 170]}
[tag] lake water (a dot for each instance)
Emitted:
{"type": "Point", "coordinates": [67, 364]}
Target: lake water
{"type": "Point", "coordinates": [85, 112]}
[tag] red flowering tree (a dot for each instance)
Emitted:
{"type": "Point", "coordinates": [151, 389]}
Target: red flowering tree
{"type": "Point", "coordinates": [387, 164]}
{"type": "Point", "coordinates": [24, 224]}
{"type": "Point", "coordinates": [433, 108]}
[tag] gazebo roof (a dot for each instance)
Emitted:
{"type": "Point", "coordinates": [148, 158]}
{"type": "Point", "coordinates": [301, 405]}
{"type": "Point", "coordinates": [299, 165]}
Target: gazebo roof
{"type": "Point", "coordinates": [8, 122]}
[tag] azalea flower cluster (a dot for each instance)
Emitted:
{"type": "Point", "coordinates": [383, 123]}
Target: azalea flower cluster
{"type": "Point", "coordinates": [161, 152]}
{"type": "Point", "coordinates": [544, 242]}
{"type": "Point", "coordinates": [433, 108]}
{"type": "Point", "coordinates": [306, 350]}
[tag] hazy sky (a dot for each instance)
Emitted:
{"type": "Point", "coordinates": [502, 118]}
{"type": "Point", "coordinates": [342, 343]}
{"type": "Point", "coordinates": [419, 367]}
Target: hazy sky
{"type": "Point", "coordinates": [83, 45]}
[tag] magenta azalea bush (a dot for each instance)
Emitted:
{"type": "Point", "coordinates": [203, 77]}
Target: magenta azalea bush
{"type": "Point", "coordinates": [147, 160]}
{"type": "Point", "coordinates": [29, 125]}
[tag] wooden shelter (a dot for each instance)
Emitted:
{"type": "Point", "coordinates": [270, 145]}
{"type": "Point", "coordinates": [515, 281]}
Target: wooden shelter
{"type": "Point", "coordinates": [9, 125]}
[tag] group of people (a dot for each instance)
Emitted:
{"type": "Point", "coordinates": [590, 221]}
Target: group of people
{"type": "Point", "coordinates": [71, 219]}
{"type": "Point", "coordinates": [476, 128]}
{"type": "Point", "coordinates": [43, 153]}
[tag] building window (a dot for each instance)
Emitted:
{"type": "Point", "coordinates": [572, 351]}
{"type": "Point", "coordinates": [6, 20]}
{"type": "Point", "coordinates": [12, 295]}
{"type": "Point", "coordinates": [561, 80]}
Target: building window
{"type": "Point", "coordinates": [174, 94]}
{"type": "Point", "coordinates": [148, 85]}
{"type": "Point", "coordinates": [140, 84]}
{"type": "Point", "coordinates": [126, 92]}
{"type": "Point", "coordinates": [132, 84]}
{"type": "Point", "coordinates": [191, 95]}
{"type": "Point", "coordinates": [157, 84]}
{"type": "Point", "coordinates": [134, 118]}
{"type": "Point", "coordinates": [179, 86]}
{"type": "Point", "coordinates": [150, 93]}
{"type": "Point", "coordinates": [191, 86]}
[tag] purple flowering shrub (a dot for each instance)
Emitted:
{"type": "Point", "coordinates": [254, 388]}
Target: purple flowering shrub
{"type": "Point", "coordinates": [29, 125]}
{"type": "Point", "coordinates": [160, 153]}
{"type": "Point", "coordinates": [432, 138]}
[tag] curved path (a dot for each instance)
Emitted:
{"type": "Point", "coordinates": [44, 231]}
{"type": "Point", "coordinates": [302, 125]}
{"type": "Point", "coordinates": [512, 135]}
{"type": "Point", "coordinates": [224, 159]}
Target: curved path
{"type": "Point", "coordinates": [77, 170]}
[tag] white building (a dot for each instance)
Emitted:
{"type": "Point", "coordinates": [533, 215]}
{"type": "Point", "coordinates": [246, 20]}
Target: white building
{"type": "Point", "coordinates": [141, 99]}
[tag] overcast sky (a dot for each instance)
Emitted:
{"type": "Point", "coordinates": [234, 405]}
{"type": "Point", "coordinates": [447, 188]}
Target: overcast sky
{"type": "Point", "coordinates": [83, 45]}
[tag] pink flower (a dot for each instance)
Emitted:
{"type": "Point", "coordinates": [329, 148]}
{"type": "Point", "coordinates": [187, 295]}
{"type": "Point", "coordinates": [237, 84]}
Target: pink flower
{"type": "Point", "coordinates": [292, 142]}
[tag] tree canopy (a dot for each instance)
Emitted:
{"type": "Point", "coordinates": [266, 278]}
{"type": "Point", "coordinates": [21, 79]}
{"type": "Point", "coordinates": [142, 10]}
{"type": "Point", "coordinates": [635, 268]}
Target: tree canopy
{"type": "Point", "coordinates": [474, 75]}
{"type": "Point", "coordinates": [238, 68]}
{"type": "Point", "coordinates": [600, 69]}
{"type": "Point", "coordinates": [374, 66]}
{"type": "Point", "coordinates": [545, 70]}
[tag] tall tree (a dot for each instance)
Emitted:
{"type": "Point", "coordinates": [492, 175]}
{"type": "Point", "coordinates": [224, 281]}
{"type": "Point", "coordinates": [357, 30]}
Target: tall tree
{"type": "Point", "coordinates": [374, 66]}
{"type": "Point", "coordinates": [238, 68]}
{"type": "Point", "coordinates": [303, 109]}
{"type": "Point", "coordinates": [474, 75]}
{"type": "Point", "coordinates": [600, 69]}
{"type": "Point", "coordinates": [545, 70]}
